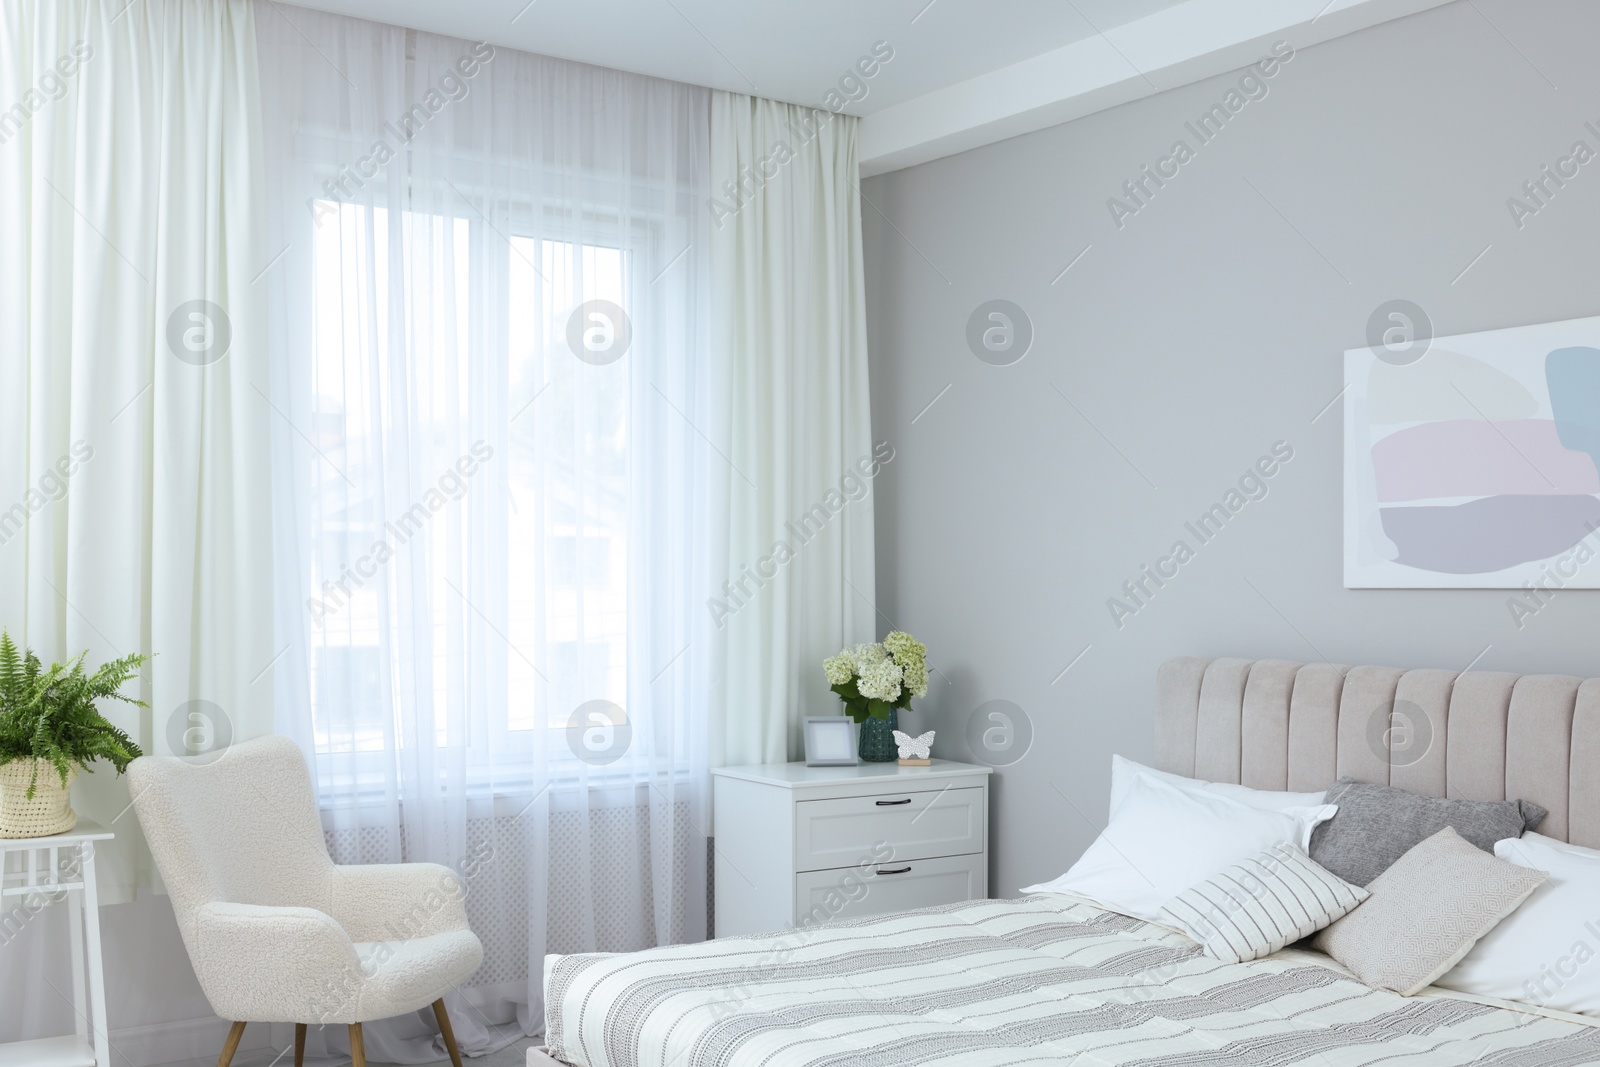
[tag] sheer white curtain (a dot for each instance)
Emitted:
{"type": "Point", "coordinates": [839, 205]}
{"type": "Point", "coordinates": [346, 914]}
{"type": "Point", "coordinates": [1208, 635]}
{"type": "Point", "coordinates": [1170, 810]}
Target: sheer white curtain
{"type": "Point", "coordinates": [492, 483]}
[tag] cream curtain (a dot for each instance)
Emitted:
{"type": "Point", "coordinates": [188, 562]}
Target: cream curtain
{"type": "Point", "coordinates": [133, 436]}
{"type": "Point", "coordinates": [133, 422]}
{"type": "Point", "coordinates": [792, 533]}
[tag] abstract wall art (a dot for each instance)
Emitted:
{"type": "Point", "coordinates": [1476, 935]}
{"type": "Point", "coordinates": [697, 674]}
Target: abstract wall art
{"type": "Point", "coordinates": [1474, 461]}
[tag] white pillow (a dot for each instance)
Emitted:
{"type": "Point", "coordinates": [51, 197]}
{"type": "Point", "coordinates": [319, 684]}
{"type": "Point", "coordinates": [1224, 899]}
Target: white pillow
{"type": "Point", "coordinates": [1543, 953]}
{"type": "Point", "coordinates": [1261, 904]}
{"type": "Point", "coordinates": [1124, 770]}
{"type": "Point", "coordinates": [1163, 839]}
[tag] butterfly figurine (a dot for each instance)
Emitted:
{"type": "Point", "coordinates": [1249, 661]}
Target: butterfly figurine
{"type": "Point", "coordinates": [914, 747]}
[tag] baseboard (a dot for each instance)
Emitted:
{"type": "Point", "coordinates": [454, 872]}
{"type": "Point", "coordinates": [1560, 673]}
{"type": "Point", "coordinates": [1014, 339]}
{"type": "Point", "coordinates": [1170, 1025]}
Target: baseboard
{"type": "Point", "coordinates": [174, 1042]}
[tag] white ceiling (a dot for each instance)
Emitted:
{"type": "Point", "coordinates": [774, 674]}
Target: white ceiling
{"type": "Point", "coordinates": [789, 50]}
{"type": "Point", "coordinates": [964, 72]}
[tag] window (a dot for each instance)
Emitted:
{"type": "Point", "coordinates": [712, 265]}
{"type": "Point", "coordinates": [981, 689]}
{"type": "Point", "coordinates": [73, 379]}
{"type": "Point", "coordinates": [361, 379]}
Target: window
{"type": "Point", "coordinates": [524, 460]}
{"type": "Point", "coordinates": [568, 484]}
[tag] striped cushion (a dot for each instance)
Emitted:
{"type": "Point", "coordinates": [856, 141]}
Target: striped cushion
{"type": "Point", "coordinates": [1258, 906]}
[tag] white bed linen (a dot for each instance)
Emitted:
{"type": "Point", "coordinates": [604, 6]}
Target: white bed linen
{"type": "Point", "coordinates": [1045, 981]}
{"type": "Point", "coordinates": [1163, 839]}
{"type": "Point", "coordinates": [1125, 770]}
{"type": "Point", "coordinates": [1545, 951]}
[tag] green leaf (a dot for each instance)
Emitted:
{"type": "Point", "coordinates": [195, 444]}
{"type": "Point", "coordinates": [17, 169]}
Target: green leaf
{"type": "Point", "coordinates": [855, 705]}
{"type": "Point", "coordinates": [50, 715]}
{"type": "Point", "coordinates": [879, 709]}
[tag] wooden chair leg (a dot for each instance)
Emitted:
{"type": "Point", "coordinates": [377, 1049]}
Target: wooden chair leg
{"type": "Point", "coordinates": [358, 1051]}
{"type": "Point", "coordinates": [449, 1034]}
{"type": "Point", "coordinates": [299, 1044]}
{"type": "Point", "coordinates": [231, 1045]}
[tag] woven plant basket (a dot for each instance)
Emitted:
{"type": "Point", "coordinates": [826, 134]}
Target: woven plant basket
{"type": "Point", "coordinates": [49, 812]}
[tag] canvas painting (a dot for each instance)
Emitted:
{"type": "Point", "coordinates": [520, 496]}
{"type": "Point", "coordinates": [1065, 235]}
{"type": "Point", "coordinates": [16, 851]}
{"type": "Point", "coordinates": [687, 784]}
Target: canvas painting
{"type": "Point", "coordinates": [1474, 461]}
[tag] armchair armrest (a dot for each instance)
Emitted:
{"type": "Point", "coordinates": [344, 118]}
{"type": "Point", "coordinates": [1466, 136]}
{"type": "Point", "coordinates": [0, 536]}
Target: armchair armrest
{"type": "Point", "coordinates": [275, 964]}
{"type": "Point", "coordinates": [398, 901]}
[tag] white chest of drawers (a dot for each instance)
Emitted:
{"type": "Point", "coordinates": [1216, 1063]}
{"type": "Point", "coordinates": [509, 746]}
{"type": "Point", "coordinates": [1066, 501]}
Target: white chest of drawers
{"type": "Point", "coordinates": [797, 845]}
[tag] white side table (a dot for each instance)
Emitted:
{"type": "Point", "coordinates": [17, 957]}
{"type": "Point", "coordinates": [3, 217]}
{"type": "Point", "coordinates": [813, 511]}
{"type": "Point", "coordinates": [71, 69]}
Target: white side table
{"type": "Point", "coordinates": [36, 872]}
{"type": "Point", "coordinates": [798, 845]}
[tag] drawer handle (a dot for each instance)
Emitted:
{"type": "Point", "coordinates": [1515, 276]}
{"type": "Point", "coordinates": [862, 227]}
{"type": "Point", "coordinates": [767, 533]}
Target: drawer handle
{"type": "Point", "coordinates": [897, 870]}
{"type": "Point", "coordinates": [892, 803]}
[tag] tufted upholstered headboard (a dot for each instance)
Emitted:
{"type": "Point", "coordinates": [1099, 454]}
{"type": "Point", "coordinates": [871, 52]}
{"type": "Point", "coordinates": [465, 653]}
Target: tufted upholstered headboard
{"type": "Point", "coordinates": [1271, 724]}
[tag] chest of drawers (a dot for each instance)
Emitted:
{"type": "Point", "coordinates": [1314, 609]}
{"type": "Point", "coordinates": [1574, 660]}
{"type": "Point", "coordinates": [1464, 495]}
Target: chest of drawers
{"type": "Point", "coordinates": [797, 845]}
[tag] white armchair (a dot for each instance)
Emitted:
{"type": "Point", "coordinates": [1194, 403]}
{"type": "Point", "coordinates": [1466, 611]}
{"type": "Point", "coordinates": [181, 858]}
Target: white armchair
{"type": "Point", "coordinates": [276, 931]}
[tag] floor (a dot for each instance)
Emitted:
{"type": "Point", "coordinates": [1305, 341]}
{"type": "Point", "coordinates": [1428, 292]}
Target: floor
{"type": "Point", "coordinates": [514, 1055]}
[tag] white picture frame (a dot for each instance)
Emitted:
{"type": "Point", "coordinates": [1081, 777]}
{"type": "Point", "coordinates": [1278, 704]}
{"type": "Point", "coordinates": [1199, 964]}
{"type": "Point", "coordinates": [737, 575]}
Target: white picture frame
{"type": "Point", "coordinates": [830, 741]}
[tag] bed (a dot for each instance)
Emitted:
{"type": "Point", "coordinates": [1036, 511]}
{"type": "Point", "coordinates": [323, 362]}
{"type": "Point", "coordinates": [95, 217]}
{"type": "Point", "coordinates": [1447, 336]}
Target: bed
{"type": "Point", "coordinates": [1054, 980]}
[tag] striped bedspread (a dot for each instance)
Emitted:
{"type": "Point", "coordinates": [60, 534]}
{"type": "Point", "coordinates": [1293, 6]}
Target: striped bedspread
{"type": "Point", "coordinates": [1042, 981]}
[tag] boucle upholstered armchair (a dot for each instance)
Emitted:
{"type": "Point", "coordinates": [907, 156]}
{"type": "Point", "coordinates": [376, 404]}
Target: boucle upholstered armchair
{"type": "Point", "coordinates": [276, 931]}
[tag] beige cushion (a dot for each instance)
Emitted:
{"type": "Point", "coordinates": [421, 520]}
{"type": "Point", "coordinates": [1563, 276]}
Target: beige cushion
{"type": "Point", "coordinates": [1425, 912]}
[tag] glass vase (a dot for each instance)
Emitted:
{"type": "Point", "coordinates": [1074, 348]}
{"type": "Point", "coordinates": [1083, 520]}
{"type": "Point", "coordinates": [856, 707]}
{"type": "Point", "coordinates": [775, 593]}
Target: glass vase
{"type": "Point", "coordinates": [877, 738]}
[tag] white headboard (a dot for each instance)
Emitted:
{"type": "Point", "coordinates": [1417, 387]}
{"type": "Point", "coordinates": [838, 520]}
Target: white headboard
{"type": "Point", "coordinates": [1271, 724]}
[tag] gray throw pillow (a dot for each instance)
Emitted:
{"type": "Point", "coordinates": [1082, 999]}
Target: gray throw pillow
{"type": "Point", "coordinates": [1377, 824]}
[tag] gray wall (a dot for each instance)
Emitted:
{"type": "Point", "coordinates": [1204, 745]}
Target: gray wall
{"type": "Point", "coordinates": [1176, 352]}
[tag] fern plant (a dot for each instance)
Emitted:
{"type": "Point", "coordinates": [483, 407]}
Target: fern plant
{"type": "Point", "coordinates": [49, 713]}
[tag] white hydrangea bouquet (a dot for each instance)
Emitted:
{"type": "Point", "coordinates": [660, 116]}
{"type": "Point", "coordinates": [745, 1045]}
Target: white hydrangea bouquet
{"type": "Point", "coordinates": [877, 679]}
